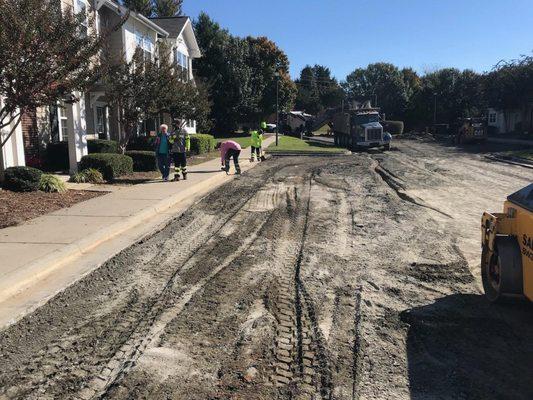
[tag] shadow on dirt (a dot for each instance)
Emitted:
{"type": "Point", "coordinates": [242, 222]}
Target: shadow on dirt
{"type": "Point", "coordinates": [462, 347]}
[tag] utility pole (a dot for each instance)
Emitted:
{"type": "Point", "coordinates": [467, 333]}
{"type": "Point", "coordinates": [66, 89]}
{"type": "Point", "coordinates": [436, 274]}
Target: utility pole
{"type": "Point", "coordinates": [276, 74]}
{"type": "Point", "coordinates": [434, 110]}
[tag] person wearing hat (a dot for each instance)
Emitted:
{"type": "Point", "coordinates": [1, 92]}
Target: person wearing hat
{"type": "Point", "coordinates": [257, 142]}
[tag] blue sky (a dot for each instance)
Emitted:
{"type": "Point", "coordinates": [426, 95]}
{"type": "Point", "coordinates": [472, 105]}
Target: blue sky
{"type": "Point", "coordinates": [345, 34]}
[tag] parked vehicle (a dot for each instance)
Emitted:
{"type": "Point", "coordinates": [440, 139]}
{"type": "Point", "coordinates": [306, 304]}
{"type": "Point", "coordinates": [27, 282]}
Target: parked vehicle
{"type": "Point", "coordinates": [507, 243]}
{"type": "Point", "coordinates": [471, 130]}
{"type": "Point", "coordinates": [359, 128]}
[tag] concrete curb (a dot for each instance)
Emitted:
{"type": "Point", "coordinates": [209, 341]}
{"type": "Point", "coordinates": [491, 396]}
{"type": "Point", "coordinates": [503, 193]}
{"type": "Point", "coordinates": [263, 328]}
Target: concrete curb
{"type": "Point", "coordinates": [39, 270]}
{"type": "Point", "coordinates": [513, 161]}
{"type": "Point", "coordinates": [309, 153]}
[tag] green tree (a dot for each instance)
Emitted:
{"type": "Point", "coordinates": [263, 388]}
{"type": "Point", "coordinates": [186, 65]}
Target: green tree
{"type": "Point", "coordinates": [167, 8]}
{"type": "Point", "coordinates": [510, 86]}
{"type": "Point", "coordinates": [145, 7]}
{"type": "Point", "coordinates": [47, 54]}
{"type": "Point", "coordinates": [318, 90]}
{"type": "Point", "coordinates": [382, 82]}
{"type": "Point", "coordinates": [240, 74]}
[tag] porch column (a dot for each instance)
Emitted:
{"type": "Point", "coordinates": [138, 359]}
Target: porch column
{"type": "Point", "coordinates": [12, 153]}
{"type": "Point", "coordinates": [77, 133]}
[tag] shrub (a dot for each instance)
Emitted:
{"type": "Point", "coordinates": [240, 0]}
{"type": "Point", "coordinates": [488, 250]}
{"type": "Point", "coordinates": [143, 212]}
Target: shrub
{"type": "Point", "coordinates": [78, 177]}
{"type": "Point", "coordinates": [143, 160]}
{"type": "Point", "coordinates": [52, 184]}
{"type": "Point", "coordinates": [393, 127]}
{"type": "Point", "coordinates": [111, 166]}
{"type": "Point", "coordinates": [98, 146]}
{"type": "Point", "coordinates": [22, 179]}
{"type": "Point", "coordinates": [56, 158]}
{"type": "Point", "coordinates": [141, 143]}
{"type": "Point", "coordinates": [89, 175]}
{"type": "Point", "coordinates": [93, 175]}
{"type": "Point", "coordinates": [201, 143]}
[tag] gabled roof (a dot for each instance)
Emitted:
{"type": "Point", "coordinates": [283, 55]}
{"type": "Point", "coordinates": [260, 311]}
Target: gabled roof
{"type": "Point", "coordinates": [121, 10]}
{"type": "Point", "coordinates": [180, 26]}
{"type": "Point", "coordinates": [173, 25]}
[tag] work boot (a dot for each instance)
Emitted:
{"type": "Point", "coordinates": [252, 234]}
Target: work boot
{"type": "Point", "coordinates": [177, 177]}
{"type": "Point", "coordinates": [237, 171]}
{"type": "Point", "coordinates": [185, 176]}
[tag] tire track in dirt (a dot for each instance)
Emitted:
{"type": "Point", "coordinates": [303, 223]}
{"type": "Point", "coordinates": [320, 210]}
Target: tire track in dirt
{"type": "Point", "coordinates": [127, 319]}
{"type": "Point", "coordinates": [302, 369]}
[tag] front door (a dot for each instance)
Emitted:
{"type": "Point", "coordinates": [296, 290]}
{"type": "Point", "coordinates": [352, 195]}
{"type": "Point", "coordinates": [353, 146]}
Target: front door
{"type": "Point", "coordinates": [101, 122]}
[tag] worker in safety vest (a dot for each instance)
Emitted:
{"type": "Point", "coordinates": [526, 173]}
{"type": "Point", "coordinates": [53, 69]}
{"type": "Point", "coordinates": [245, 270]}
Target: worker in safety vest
{"type": "Point", "coordinates": [257, 142]}
{"type": "Point", "coordinates": [180, 142]}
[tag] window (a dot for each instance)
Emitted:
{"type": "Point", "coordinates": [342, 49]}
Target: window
{"type": "Point", "coordinates": [63, 121]}
{"type": "Point", "coordinates": [80, 6]}
{"type": "Point", "coordinates": [492, 118]}
{"type": "Point", "coordinates": [146, 44]}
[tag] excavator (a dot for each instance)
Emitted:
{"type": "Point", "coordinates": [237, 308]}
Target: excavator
{"type": "Point", "coordinates": [507, 249]}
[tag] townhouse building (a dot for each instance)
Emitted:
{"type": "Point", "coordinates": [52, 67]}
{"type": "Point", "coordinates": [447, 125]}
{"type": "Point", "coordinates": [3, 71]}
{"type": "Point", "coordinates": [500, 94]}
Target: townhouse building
{"type": "Point", "coordinates": [86, 116]}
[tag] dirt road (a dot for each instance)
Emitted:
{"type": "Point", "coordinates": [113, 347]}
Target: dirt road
{"type": "Point", "coordinates": [350, 277]}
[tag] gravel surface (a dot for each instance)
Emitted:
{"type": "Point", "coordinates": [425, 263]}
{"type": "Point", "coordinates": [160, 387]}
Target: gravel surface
{"type": "Point", "coordinates": [15, 208]}
{"type": "Point", "coordinates": [349, 277]}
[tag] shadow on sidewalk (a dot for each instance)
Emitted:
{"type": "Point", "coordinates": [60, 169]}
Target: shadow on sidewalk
{"type": "Point", "coordinates": [462, 347]}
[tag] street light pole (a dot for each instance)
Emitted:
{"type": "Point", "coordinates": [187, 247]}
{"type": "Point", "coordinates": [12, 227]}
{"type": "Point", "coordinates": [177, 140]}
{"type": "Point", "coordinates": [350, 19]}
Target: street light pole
{"type": "Point", "coordinates": [434, 110]}
{"type": "Point", "coordinates": [277, 107]}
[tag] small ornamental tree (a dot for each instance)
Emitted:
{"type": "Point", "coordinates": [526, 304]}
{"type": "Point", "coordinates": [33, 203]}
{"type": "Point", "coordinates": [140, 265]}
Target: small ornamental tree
{"type": "Point", "coordinates": [177, 96]}
{"type": "Point", "coordinates": [46, 54]}
{"type": "Point", "coordinates": [130, 88]}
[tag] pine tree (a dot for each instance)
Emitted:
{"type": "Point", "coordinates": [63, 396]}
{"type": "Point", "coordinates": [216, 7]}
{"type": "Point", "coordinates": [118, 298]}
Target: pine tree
{"type": "Point", "coordinates": [145, 7]}
{"type": "Point", "coordinates": [167, 8]}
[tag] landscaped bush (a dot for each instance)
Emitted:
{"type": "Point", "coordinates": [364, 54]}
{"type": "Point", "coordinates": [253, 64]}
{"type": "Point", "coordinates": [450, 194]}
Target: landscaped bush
{"type": "Point", "coordinates": [201, 143]}
{"type": "Point", "coordinates": [393, 127]}
{"type": "Point", "coordinates": [89, 175]}
{"type": "Point", "coordinates": [143, 160]}
{"type": "Point", "coordinates": [102, 146]}
{"type": "Point", "coordinates": [52, 184]}
{"type": "Point", "coordinates": [142, 143]}
{"type": "Point", "coordinates": [22, 179]}
{"type": "Point", "coordinates": [56, 158]}
{"type": "Point", "coordinates": [110, 165]}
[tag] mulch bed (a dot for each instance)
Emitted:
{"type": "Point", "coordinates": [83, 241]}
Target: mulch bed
{"type": "Point", "coordinates": [16, 208]}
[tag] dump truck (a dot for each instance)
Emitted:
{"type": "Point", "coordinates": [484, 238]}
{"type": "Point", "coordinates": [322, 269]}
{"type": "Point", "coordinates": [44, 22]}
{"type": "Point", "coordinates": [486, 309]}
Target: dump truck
{"type": "Point", "coordinates": [359, 128]}
{"type": "Point", "coordinates": [471, 130]}
{"type": "Point", "coordinates": [507, 249]}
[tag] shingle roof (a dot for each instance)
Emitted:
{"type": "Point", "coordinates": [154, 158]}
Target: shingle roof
{"type": "Point", "coordinates": [173, 25]}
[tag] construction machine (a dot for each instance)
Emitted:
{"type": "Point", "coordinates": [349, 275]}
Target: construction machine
{"type": "Point", "coordinates": [471, 130]}
{"type": "Point", "coordinates": [359, 128]}
{"type": "Point", "coordinates": [507, 248]}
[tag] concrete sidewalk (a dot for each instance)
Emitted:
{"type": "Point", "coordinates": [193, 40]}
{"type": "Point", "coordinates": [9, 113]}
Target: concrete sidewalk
{"type": "Point", "coordinates": [43, 256]}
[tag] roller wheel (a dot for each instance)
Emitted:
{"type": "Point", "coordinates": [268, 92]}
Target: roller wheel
{"type": "Point", "coordinates": [502, 272]}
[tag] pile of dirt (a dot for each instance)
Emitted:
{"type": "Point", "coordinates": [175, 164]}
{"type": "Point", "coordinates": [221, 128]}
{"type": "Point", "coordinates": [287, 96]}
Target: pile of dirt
{"type": "Point", "coordinates": [15, 208]}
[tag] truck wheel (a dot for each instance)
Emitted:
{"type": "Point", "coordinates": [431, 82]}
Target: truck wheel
{"type": "Point", "coordinates": [502, 273]}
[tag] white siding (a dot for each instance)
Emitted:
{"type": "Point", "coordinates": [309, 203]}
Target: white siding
{"type": "Point", "coordinates": [12, 153]}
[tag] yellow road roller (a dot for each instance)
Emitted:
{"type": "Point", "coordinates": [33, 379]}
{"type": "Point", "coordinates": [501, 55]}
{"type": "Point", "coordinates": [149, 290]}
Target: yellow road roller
{"type": "Point", "coordinates": [507, 252]}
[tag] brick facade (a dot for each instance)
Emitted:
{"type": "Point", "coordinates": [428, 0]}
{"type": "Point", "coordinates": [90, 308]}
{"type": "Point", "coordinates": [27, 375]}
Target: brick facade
{"type": "Point", "coordinates": [30, 134]}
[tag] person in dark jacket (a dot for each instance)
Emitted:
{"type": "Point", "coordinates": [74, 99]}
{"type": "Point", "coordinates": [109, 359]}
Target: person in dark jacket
{"type": "Point", "coordinates": [181, 144]}
{"type": "Point", "coordinates": [162, 151]}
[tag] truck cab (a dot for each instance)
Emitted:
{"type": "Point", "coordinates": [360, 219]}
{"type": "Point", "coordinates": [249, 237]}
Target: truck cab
{"type": "Point", "coordinates": [359, 129]}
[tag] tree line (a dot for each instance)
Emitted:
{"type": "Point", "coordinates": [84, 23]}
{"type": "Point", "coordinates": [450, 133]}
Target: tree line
{"type": "Point", "coordinates": [403, 94]}
{"type": "Point", "coordinates": [155, 8]}
{"type": "Point", "coordinates": [242, 76]}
